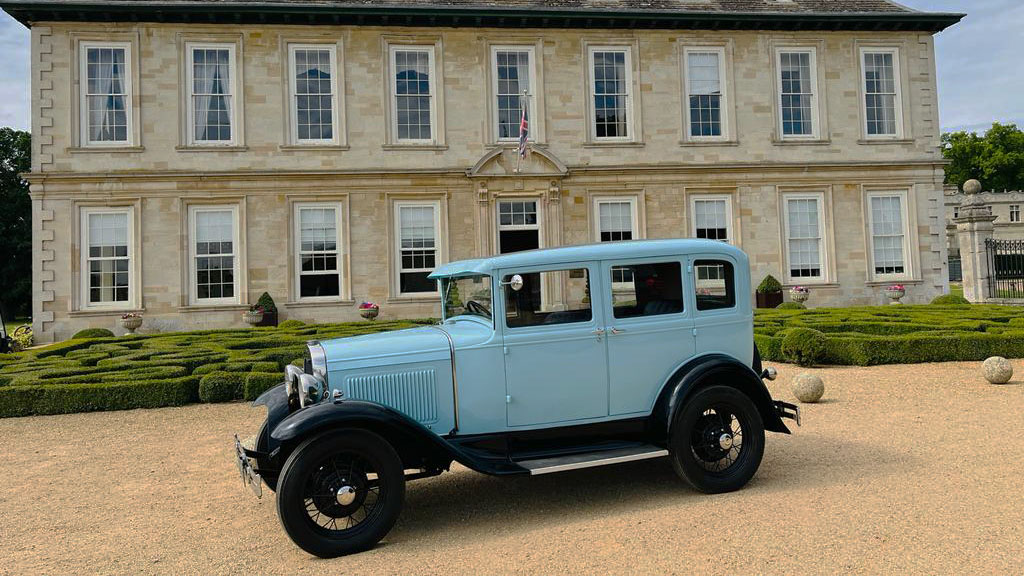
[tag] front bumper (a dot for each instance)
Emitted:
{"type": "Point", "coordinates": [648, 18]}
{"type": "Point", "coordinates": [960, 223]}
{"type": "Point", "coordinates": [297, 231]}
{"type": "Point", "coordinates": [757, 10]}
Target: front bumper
{"type": "Point", "coordinates": [249, 475]}
{"type": "Point", "coordinates": [787, 410]}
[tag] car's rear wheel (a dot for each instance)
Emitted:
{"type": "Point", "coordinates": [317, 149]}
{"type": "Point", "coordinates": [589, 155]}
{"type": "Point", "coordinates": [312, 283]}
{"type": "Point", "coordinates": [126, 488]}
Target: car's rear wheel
{"type": "Point", "coordinates": [717, 440]}
{"type": "Point", "coordinates": [340, 492]}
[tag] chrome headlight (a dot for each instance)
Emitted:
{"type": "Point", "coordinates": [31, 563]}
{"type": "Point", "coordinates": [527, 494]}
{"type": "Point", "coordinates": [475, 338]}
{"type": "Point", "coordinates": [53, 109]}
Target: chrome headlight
{"type": "Point", "coordinates": [291, 379]}
{"type": "Point", "coordinates": [311, 390]}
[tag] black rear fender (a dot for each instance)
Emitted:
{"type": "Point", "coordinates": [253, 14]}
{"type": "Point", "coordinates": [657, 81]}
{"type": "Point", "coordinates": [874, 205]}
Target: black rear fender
{"type": "Point", "coordinates": [715, 369]}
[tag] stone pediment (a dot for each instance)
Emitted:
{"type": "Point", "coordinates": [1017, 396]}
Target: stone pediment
{"type": "Point", "coordinates": [504, 161]}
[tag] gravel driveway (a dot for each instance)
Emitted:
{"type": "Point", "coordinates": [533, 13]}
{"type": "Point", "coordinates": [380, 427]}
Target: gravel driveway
{"type": "Point", "coordinates": [900, 469]}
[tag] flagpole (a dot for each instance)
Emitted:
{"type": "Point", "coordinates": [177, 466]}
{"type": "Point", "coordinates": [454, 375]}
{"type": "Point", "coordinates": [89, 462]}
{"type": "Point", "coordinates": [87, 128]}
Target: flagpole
{"type": "Point", "coordinates": [519, 152]}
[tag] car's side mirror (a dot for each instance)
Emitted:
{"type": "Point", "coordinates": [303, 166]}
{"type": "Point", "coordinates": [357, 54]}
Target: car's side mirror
{"type": "Point", "coordinates": [515, 283]}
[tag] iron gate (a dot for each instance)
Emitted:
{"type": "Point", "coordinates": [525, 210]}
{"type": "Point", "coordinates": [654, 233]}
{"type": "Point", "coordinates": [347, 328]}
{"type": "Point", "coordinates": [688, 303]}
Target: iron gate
{"type": "Point", "coordinates": [1006, 261]}
{"type": "Point", "coordinates": [956, 273]}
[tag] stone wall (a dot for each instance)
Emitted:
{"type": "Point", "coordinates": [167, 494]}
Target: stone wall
{"type": "Point", "coordinates": [160, 177]}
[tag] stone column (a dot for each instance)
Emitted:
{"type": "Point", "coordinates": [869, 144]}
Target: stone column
{"type": "Point", "coordinates": [973, 228]}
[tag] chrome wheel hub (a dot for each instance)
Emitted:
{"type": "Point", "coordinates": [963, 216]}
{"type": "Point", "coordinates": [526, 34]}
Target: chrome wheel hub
{"type": "Point", "coordinates": [725, 441]}
{"type": "Point", "coordinates": [345, 495]}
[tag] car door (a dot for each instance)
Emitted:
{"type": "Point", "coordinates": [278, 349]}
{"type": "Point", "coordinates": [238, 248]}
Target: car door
{"type": "Point", "coordinates": [649, 328]}
{"type": "Point", "coordinates": [722, 316]}
{"type": "Point", "coordinates": [555, 355]}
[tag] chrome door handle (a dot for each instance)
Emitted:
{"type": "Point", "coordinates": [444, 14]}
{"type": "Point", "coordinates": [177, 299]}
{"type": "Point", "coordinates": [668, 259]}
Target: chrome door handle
{"type": "Point", "coordinates": [599, 332]}
{"type": "Point", "coordinates": [617, 331]}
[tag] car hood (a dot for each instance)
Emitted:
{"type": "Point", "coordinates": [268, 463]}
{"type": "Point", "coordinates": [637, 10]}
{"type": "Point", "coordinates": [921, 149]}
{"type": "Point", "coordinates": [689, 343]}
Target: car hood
{"type": "Point", "coordinates": [427, 342]}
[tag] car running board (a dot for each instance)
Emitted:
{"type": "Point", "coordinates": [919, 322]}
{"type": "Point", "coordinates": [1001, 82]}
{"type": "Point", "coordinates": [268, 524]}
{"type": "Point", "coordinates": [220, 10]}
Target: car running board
{"type": "Point", "coordinates": [591, 459]}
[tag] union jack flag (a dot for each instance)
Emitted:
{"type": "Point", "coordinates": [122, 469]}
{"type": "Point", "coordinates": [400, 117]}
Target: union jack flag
{"type": "Point", "coordinates": [524, 129]}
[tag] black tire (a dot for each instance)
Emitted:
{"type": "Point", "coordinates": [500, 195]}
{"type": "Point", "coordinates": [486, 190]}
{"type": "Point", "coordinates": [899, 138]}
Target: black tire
{"type": "Point", "coordinates": [697, 447]}
{"type": "Point", "coordinates": [262, 443]}
{"type": "Point", "coordinates": [306, 486]}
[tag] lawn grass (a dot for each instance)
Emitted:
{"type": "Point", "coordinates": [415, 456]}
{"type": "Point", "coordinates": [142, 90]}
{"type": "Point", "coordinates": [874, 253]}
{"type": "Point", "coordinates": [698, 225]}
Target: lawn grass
{"type": "Point", "coordinates": [11, 325]}
{"type": "Point", "coordinates": [153, 370]}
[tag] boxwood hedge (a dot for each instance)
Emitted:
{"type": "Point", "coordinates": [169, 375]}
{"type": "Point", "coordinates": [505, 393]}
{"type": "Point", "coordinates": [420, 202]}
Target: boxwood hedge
{"type": "Point", "coordinates": [149, 371]}
{"type": "Point", "coordinates": [865, 336]}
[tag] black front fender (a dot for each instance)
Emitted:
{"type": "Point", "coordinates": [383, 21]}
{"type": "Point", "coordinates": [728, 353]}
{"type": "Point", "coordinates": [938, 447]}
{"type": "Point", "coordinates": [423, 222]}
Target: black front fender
{"type": "Point", "coordinates": [706, 371]}
{"type": "Point", "coordinates": [418, 446]}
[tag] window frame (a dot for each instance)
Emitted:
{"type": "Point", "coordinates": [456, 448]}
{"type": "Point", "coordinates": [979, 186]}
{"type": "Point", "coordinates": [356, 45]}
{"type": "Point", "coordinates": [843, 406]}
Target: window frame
{"type": "Point", "coordinates": [83, 93]}
{"type": "Point", "coordinates": [816, 114]}
{"type": "Point", "coordinates": [908, 263]}
{"type": "Point", "coordinates": [589, 267]}
{"type": "Point", "coordinates": [898, 84]}
{"type": "Point", "coordinates": [1014, 213]}
{"type": "Point", "coordinates": [431, 51]}
{"type": "Point", "coordinates": [632, 124]}
{"type": "Point", "coordinates": [236, 97]}
{"type": "Point", "coordinates": [634, 214]}
{"type": "Point", "coordinates": [697, 261]}
{"type": "Point", "coordinates": [83, 237]}
{"type": "Point", "coordinates": [337, 115]}
{"type": "Point", "coordinates": [340, 255]}
{"type": "Point", "coordinates": [729, 225]}
{"type": "Point", "coordinates": [236, 253]}
{"type": "Point", "coordinates": [607, 269]}
{"type": "Point", "coordinates": [396, 255]}
{"type": "Point", "coordinates": [823, 259]}
{"type": "Point", "coordinates": [532, 96]}
{"type": "Point", "coordinates": [724, 116]}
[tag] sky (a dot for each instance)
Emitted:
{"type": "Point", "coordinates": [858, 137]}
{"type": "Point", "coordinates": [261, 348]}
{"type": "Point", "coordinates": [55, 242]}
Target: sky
{"type": "Point", "coordinates": [980, 65]}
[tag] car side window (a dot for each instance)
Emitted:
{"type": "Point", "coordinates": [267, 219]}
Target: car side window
{"type": "Point", "coordinates": [647, 289]}
{"type": "Point", "coordinates": [528, 306]}
{"type": "Point", "coordinates": [715, 284]}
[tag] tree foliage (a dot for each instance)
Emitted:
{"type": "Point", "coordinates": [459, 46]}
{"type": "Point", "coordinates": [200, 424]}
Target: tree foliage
{"type": "Point", "coordinates": [15, 224]}
{"type": "Point", "coordinates": [996, 159]}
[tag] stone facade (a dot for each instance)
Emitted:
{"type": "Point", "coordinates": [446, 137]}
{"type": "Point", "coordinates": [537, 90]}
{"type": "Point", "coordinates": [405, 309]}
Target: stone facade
{"type": "Point", "coordinates": [1005, 206]}
{"type": "Point", "coordinates": [160, 175]}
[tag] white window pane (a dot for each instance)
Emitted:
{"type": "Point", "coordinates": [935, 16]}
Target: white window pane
{"type": "Point", "coordinates": [611, 89]}
{"type": "Point", "coordinates": [880, 93]}
{"type": "Point", "coordinates": [797, 93]}
{"type": "Point", "coordinates": [512, 74]}
{"type": "Point", "coordinates": [412, 94]}
{"type": "Point", "coordinates": [214, 226]}
{"type": "Point", "coordinates": [314, 94]}
{"type": "Point", "coordinates": [212, 98]}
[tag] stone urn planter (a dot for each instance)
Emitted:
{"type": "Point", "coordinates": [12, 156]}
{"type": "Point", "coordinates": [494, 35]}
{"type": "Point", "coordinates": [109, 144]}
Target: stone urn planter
{"type": "Point", "coordinates": [799, 294]}
{"type": "Point", "coordinates": [369, 310]}
{"type": "Point", "coordinates": [253, 317]}
{"type": "Point", "coordinates": [895, 293]}
{"type": "Point", "coordinates": [131, 322]}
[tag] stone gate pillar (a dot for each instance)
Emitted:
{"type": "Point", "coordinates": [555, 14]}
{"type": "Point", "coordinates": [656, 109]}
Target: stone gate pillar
{"type": "Point", "coordinates": [973, 228]}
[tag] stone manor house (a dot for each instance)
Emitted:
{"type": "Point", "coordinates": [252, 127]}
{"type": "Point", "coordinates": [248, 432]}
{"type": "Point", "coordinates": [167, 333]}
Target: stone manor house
{"type": "Point", "coordinates": [189, 155]}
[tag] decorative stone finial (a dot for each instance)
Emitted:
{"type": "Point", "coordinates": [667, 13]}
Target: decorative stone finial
{"type": "Point", "coordinates": [972, 186]}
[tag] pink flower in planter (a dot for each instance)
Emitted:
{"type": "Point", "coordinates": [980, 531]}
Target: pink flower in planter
{"type": "Point", "coordinates": [368, 306]}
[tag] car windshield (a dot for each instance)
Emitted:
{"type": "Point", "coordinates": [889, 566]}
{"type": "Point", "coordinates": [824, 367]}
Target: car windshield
{"type": "Point", "coordinates": [467, 296]}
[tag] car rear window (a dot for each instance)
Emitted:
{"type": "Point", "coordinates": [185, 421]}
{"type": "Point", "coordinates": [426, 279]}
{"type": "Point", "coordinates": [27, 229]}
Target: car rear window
{"type": "Point", "coordinates": [715, 284]}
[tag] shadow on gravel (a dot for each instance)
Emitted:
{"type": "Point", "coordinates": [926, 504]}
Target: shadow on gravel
{"type": "Point", "coordinates": [467, 502]}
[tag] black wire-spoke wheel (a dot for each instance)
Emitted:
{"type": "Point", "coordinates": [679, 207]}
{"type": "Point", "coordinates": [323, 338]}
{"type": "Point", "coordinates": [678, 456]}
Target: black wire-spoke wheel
{"type": "Point", "coordinates": [717, 439]}
{"type": "Point", "coordinates": [340, 492]}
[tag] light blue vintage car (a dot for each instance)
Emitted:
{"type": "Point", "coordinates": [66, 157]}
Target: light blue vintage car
{"type": "Point", "coordinates": [544, 361]}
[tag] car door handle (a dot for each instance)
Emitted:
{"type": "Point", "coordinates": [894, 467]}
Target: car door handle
{"type": "Point", "coordinates": [599, 332]}
{"type": "Point", "coordinates": [617, 330]}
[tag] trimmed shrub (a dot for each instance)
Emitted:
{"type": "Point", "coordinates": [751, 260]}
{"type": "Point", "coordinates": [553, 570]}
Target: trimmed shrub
{"type": "Point", "coordinates": [93, 333]}
{"type": "Point", "coordinates": [804, 346]}
{"type": "Point", "coordinates": [29, 400]}
{"type": "Point", "coordinates": [221, 387]}
{"type": "Point", "coordinates": [950, 300]}
{"type": "Point", "coordinates": [769, 285]}
{"type": "Point", "coordinates": [290, 324]}
{"type": "Point", "coordinates": [257, 383]}
{"type": "Point", "coordinates": [791, 306]}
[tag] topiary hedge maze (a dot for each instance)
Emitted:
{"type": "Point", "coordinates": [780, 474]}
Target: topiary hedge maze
{"type": "Point", "coordinates": [890, 334]}
{"type": "Point", "coordinates": [149, 371]}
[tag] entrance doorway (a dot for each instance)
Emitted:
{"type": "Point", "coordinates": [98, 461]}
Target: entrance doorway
{"type": "Point", "coordinates": [518, 226]}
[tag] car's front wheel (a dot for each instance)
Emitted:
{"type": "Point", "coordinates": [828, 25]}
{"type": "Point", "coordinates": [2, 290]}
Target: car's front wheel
{"type": "Point", "coordinates": [717, 440]}
{"type": "Point", "coordinates": [340, 492]}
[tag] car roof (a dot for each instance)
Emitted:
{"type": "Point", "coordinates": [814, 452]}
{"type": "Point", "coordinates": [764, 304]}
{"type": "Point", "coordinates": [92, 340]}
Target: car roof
{"type": "Point", "coordinates": [586, 253]}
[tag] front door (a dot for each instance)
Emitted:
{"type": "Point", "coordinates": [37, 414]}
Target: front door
{"type": "Point", "coordinates": [555, 355]}
{"type": "Point", "coordinates": [649, 328]}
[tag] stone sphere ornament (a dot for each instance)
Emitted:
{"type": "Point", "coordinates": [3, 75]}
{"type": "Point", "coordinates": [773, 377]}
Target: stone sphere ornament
{"type": "Point", "coordinates": [808, 388]}
{"type": "Point", "coordinates": [997, 370]}
{"type": "Point", "coordinates": [972, 186]}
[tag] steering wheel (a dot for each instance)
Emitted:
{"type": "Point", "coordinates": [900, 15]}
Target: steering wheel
{"type": "Point", "coordinates": [478, 308]}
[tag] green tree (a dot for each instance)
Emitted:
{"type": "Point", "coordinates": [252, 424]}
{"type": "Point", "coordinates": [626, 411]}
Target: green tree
{"type": "Point", "coordinates": [996, 159]}
{"type": "Point", "coordinates": [15, 224]}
